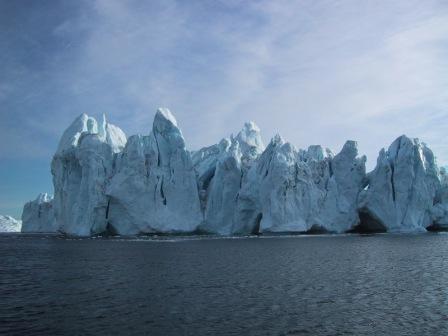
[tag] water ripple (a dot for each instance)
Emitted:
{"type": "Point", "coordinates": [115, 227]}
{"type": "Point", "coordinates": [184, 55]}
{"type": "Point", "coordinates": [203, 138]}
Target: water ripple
{"type": "Point", "coordinates": [332, 285]}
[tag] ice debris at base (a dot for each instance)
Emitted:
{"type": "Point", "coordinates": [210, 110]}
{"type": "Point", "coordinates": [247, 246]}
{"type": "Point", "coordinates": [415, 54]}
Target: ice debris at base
{"type": "Point", "coordinates": [105, 183]}
{"type": "Point", "coordinates": [9, 224]}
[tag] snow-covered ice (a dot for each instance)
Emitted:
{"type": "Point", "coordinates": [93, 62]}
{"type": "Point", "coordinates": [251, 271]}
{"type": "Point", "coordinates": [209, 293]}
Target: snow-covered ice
{"type": "Point", "coordinates": [9, 224]}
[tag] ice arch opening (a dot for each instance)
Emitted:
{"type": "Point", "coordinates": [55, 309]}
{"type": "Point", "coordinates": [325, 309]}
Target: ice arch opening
{"type": "Point", "coordinates": [434, 227]}
{"type": "Point", "coordinates": [317, 229]}
{"type": "Point", "coordinates": [368, 223]}
{"type": "Point", "coordinates": [256, 228]}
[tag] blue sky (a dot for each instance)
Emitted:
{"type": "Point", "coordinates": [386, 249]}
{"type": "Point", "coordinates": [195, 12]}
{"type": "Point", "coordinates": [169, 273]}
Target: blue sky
{"type": "Point", "coordinates": [317, 72]}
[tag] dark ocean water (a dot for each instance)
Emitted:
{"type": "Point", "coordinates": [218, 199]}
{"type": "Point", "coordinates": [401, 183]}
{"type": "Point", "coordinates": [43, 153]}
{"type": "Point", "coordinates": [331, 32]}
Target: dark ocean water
{"type": "Point", "coordinates": [327, 285]}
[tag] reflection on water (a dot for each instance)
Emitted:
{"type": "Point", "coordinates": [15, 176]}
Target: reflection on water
{"type": "Point", "coordinates": [332, 285]}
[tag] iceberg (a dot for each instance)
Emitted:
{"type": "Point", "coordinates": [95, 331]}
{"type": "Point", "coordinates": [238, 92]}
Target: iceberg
{"type": "Point", "coordinates": [400, 191]}
{"type": "Point", "coordinates": [439, 211]}
{"type": "Point", "coordinates": [9, 224]}
{"type": "Point", "coordinates": [290, 190]}
{"type": "Point", "coordinates": [154, 188]}
{"type": "Point", "coordinates": [38, 215]}
{"type": "Point", "coordinates": [106, 183]}
{"type": "Point", "coordinates": [81, 168]}
{"type": "Point", "coordinates": [220, 170]}
{"type": "Point", "coordinates": [344, 181]}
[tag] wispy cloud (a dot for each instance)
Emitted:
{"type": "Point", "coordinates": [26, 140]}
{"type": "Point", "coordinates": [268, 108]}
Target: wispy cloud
{"type": "Point", "coordinates": [317, 72]}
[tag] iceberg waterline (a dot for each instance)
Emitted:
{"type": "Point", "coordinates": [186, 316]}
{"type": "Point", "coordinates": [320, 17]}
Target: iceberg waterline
{"type": "Point", "coordinates": [105, 183]}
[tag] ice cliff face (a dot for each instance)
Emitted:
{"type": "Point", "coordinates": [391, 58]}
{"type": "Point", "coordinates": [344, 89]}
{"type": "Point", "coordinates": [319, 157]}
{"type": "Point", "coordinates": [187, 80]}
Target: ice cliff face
{"type": "Point", "coordinates": [439, 211]}
{"type": "Point", "coordinates": [347, 177]}
{"type": "Point", "coordinates": [287, 195]}
{"type": "Point", "coordinates": [9, 224]}
{"type": "Point", "coordinates": [154, 188]}
{"type": "Point", "coordinates": [220, 170]}
{"type": "Point", "coordinates": [302, 191]}
{"type": "Point", "coordinates": [38, 215]}
{"type": "Point", "coordinates": [81, 168]}
{"type": "Point", "coordinates": [152, 184]}
{"type": "Point", "coordinates": [401, 189]}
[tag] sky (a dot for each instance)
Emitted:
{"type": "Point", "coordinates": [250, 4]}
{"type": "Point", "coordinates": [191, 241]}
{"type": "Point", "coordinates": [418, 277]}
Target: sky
{"type": "Point", "coordinates": [316, 72]}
